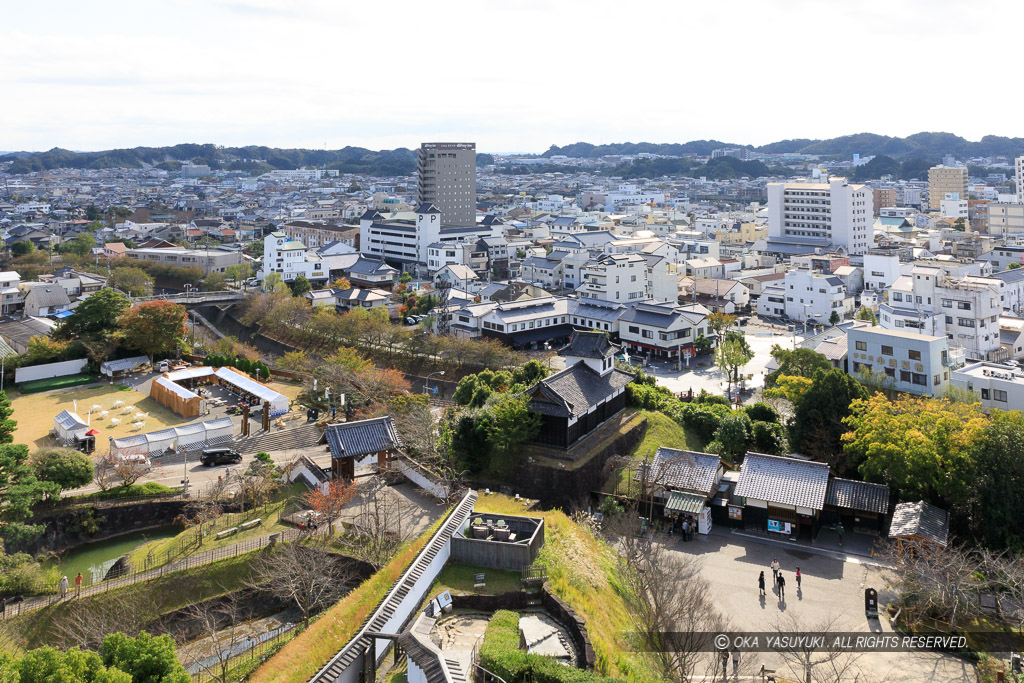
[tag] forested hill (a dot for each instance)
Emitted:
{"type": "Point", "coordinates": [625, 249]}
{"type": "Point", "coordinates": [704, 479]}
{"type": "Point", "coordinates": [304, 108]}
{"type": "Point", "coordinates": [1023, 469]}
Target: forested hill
{"type": "Point", "coordinates": [929, 146]}
{"type": "Point", "coordinates": [253, 159]}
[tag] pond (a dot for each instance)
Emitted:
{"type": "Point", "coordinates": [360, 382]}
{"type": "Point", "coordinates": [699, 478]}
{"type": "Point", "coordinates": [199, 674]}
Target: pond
{"type": "Point", "coordinates": [95, 559]}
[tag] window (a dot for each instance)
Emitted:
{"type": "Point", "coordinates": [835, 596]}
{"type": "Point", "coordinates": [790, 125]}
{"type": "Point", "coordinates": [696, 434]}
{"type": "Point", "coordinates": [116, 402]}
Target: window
{"type": "Point", "coordinates": [904, 375]}
{"type": "Point", "coordinates": [963, 305]}
{"type": "Point", "coordinates": [896, 296]}
{"type": "Point", "coordinates": [984, 394]}
{"type": "Point", "coordinates": [919, 379]}
{"type": "Point", "coordinates": [647, 334]}
{"type": "Point", "coordinates": [886, 350]}
{"type": "Point", "coordinates": [890, 372]}
{"type": "Point", "coordinates": [965, 322]}
{"type": "Point", "coordinates": [949, 320]}
{"type": "Point", "coordinates": [999, 395]}
{"type": "Point", "coordinates": [914, 355]}
{"type": "Point", "coordinates": [862, 346]}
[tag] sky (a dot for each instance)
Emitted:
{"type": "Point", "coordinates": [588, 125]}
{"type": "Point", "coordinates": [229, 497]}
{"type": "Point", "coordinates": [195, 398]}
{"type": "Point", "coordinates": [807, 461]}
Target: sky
{"type": "Point", "coordinates": [510, 75]}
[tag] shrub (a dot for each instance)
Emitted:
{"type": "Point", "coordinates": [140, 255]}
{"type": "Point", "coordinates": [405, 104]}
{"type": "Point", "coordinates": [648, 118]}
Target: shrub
{"type": "Point", "coordinates": [705, 398]}
{"type": "Point", "coordinates": [762, 412]}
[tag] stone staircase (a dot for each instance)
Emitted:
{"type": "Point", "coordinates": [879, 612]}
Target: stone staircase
{"type": "Point", "coordinates": [303, 436]}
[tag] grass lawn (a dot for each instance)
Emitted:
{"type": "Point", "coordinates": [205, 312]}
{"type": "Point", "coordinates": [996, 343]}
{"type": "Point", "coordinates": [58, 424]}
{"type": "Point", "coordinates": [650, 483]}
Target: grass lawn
{"type": "Point", "coordinates": [458, 578]}
{"type": "Point", "coordinates": [158, 553]}
{"type": "Point", "coordinates": [584, 571]}
{"type": "Point", "coordinates": [150, 598]}
{"type": "Point", "coordinates": [661, 431]}
{"type": "Point", "coordinates": [308, 651]}
{"type": "Point", "coordinates": [55, 383]}
{"type": "Point", "coordinates": [34, 413]}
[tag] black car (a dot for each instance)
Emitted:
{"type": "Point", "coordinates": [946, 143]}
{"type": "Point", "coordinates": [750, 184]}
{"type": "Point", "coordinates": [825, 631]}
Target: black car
{"type": "Point", "coordinates": [220, 456]}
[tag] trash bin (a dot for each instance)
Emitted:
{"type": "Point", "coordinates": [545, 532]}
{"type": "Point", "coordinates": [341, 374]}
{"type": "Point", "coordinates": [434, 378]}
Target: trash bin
{"type": "Point", "coordinates": [870, 603]}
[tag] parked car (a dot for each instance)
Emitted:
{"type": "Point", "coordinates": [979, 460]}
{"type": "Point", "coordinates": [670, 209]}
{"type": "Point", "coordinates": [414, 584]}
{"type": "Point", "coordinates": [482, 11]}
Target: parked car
{"type": "Point", "coordinates": [220, 456]}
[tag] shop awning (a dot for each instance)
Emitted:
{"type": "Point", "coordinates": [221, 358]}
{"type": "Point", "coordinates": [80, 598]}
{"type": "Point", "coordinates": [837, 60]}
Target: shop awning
{"type": "Point", "coordinates": [63, 314]}
{"type": "Point", "coordinates": [681, 501]}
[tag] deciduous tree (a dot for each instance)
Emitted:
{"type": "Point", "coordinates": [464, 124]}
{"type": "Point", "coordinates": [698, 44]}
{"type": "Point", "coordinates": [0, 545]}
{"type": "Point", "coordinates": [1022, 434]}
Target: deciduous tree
{"type": "Point", "coordinates": [95, 317]}
{"type": "Point", "coordinates": [153, 327]}
{"type": "Point", "coordinates": [131, 280]}
{"type": "Point", "coordinates": [65, 467]}
{"type": "Point", "coordinates": [817, 424]}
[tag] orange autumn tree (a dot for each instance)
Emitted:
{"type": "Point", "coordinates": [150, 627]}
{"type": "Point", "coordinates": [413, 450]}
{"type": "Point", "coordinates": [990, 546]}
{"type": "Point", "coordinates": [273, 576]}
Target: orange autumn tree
{"type": "Point", "coordinates": [153, 327]}
{"type": "Point", "coordinates": [331, 503]}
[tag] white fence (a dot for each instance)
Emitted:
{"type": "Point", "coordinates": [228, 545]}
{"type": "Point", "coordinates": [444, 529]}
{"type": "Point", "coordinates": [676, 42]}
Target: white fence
{"type": "Point", "coordinates": [32, 372]}
{"type": "Point", "coordinates": [420, 478]}
{"type": "Point", "coordinates": [184, 438]}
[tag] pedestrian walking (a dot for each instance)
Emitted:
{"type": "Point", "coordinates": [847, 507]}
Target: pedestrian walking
{"type": "Point", "coordinates": [736, 664]}
{"type": "Point", "coordinates": [840, 530]}
{"type": "Point", "coordinates": [760, 582]}
{"type": "Point", "coordinates": [782, 587]}
{"type": "Point", "coordinates": [725, 665]}
{"type": "Point", "coordinates": [775, 570]}
{"type": "Point", "coordinates": [78, 585]}
{"type": "Point", "coordinates": [798, 575]}
{"type": "Point", "coordinates": [63, 587]}
{"type": "Point", "coordinates": [686, 530]}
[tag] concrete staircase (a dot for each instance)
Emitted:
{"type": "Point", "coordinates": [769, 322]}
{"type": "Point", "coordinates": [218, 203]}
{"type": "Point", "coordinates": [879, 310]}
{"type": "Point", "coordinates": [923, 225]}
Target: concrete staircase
{"type": "Point", "coordinates": [303, 436]}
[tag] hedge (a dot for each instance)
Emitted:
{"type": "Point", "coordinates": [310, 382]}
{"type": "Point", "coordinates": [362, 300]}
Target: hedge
{"type": "Point", "coordinates": [501, 655]}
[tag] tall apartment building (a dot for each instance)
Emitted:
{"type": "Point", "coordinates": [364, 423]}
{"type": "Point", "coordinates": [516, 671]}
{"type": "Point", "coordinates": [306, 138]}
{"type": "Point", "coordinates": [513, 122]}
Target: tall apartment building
{"type": "Point", "coordinates": [943, 180]}
{"type": "Point", "coordinates": [447, 179]}
{"type": "Point", "coordinates": [1018, 166]}
{"type": "Point", "coordinates": [1005, 219]}
{"type": "Point", "coordinates": [882, 197]}
{"type": "Point", "coordinates": [836, 212]}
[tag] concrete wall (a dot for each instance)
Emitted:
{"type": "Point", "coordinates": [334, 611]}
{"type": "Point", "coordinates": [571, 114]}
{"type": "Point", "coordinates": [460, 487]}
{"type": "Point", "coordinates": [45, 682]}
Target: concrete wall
{"type": "Point", "coordinates": [498, 554]}
{"type": "Point", "coordinates": [32, 372]}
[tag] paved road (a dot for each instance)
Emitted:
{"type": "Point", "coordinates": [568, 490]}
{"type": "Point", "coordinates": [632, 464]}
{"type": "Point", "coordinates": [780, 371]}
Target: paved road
{"type": "Point", "coordinates": [832, 590]}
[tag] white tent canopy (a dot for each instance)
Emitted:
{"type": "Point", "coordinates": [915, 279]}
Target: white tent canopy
{"type": "Point", "coordinates": [183, 438]}
{"type": "Point", "coordinates": [278, 402]}
{"type": "Point", "coordinates": [69, 426]}
{"type": "Point", "coordinates": [109, 367]}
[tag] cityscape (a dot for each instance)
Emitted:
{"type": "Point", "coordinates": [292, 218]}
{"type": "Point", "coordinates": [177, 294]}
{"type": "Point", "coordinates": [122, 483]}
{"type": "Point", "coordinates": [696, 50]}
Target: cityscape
{"type": "Point", "coordinates": [368, 380]}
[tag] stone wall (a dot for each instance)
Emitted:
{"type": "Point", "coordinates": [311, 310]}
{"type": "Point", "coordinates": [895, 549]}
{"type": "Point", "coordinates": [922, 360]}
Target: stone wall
{"type": "Point", "coordinates": [70, 527]}
{"type": "Point", "coordinates": [554, 605]}
{"type": "Point", "coordinates": [557, 487]}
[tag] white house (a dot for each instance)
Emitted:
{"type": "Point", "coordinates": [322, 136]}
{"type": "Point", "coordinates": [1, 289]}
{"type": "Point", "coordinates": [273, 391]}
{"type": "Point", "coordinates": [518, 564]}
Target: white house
{"type": "Point", "coordinates": [905, 361]}
{"type": "Point", "coordinates": [663, 330]}
{"type": "Point", "coordinates": [814, 295]}
{"type": "Point", "coordinates": [615, 277]}
{"type": "Point", "coordinates": [290, 259]}
{"type": "Point", "coordinates": [997, 386]}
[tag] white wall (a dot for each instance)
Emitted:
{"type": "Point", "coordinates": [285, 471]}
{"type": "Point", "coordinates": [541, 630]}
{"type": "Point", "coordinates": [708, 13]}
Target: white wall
{"type": "Point", "coordinates": [68, 367]}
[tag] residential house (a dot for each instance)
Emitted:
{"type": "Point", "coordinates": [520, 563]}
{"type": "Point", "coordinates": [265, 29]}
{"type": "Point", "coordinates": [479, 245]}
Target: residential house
{"type": "Point", "coordinates": [896, 359]}
{"type": "Point", "coordinates": [663, 330]}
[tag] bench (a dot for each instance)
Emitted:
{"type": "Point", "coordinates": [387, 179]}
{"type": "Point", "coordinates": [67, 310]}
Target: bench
{"type": "Point", "coordinates": [226, 532]}
{"type": "Point", "coordinates": [479, 580]}
{"type": "Point", "coordinates": [252, 523]}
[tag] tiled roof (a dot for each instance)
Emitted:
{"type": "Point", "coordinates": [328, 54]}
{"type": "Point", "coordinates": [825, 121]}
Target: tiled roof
{"type": "Point", "coordinates": [588, 344]}
{"type": "Point", "coordinates": [676, 469]}
{"type": "Point", "coordinates": [572, 391]}
{"type": "Point", "coordinates": [858, 495]}
{"type": "Point", "coordinates": [355, 439]}
{"type": "Point", "coordinates": [778, 479]}
{"type": "Point", "coordinates": [920, 519]}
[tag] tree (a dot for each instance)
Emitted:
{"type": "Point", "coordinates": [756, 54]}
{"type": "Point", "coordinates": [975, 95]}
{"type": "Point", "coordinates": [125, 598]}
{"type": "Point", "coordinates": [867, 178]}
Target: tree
{"type": "Point", "coordinates": [405, 278]}
{"type": "Point", "coordinates": [218, 622]}
{"type": "Point", "coordinates": [732, 436]}
{"type": "Point", "coordinates": [834, 318]}
{"type": "Point", "coordinates": [258, 481]}
{"type": "Point", "coordinates": [66, 467]}
{"type": "Point", "coordinates": [307, 575]}
{"type": "Point", "coordinates": [1013, 266]}
{"type": "Point", "coordinates": [95, 317]}
{"type": "Point", "coordinates": [920, 447]}
{"type": "Point", "coordinates": [272, 282]}
{"type": "Point", "coordinates": [22, 248]}
{"type": "Point", "coordinates": [511, 424]}
{"type": "Point", "coordinates": [146, 658]}
{"type": "Point", "coordinates": [867, 315]}
{"type": "Point", "coordinates": [378, 525]}
{"type": "Point", "coordinates": [817, 424]}
{"type": "Point", "coordinates": [997, 483]}
{"type": "Point", "coordinates": [79, 245]}
{"type": "Point", "coordinates": [301, 286]}
{"type": "Point", "coordinates": [332, 502]}
{"type": "Point", "coordinates": [124, 468]}
{"type": "Point", "coordinates": [7, 425]}
{"type": "Point", "coordinates": [960, 225]}
{"type": "Point", "coordinates": [20, 489]}
{"type": "Point", "coordinates": [825, 662]}
{"type": "Point", "coordinates": [131, 280]}
{"type": "Point", "coordinates": [732, 353]}
{"type": "Point", "coordinates": [719, 323]}
{"type": "Point", "coordinates": [92, 213]}
{"type": "Point", "coordinates": [342, 283]}
{"type": "Point", "coordinates": [239, 272]}
{"type": "Point", "coordinates": [796, 363]}
{"type": "Point", "coordinates": [215, 282]}
{"type": "Point", "coordinates": [153, 327]}
{"type": "Point", "coordinates": [45, 664]}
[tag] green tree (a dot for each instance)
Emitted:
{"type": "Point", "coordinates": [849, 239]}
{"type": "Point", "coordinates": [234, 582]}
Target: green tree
{"type": "Point", "coordinates": [732, 436]}
{"type": "Point", "coordinates": [405, 278]}
{"type": "Point", "coordinates": [960, 225]}
{"type": "Point", "coordinates": [796, 363]}
{"type": "Point", "coordinates": [92, 213]}
{"type": "Point", "coordinates": [720, 322]}
{"type": "Point", "coordinates": [7, 425]}
{"type": "Point", "coordinates": [215, 282]}
{"type": "Point", "coordinates": [22, 248]}
{"type": "Point", "coordinates": [20, 489]}
{"type": "Point", "coordinates": [511, 424]}
{"type": "Point", "coordinates": [79, 245]}
{"type": "Point", "coordinates": [272, 282]}
{"type": "Point", "coordinates": [153, 327]}
{"type": "Point", "coordinates": [471, 439]}
{"type": "Point", "coordinates": [817, 425]}
{"type": "Point", "coordinates": [301, 286]}
{"type": "Point", "coordinates": [65, 467]}
{"type": "Point", "coordinates": [867, 315]}
{"type": "Point", "coordinates": [997, 483]}
{"type": "Point", "coordinates": [1013, 266]}
{"type": "Point", "coordinates": [50, 665]}
{"type": "Point", "coordinates": [134, 281]}
{"type": "Point", "coordinates": [732, 353]}
{"type": "Point", "coordinates": [148, 659]}
{"type": "Point", "coordinates": [239, 272]}
{"type": "Point", "coordinates": [835, 318]}
{"type": "Point", "coordinates": [95, 317]}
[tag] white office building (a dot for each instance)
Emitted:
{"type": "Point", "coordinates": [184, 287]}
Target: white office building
{"type": "Point", "coordinates": [620, 278]}
{"type": "Point", "coordinates": [904, 361]}
{"type": "Point", "coordinates": [290, 259]}
{"type": "Point", "coordinates": [837, 212]}
{"type": "Point", "coordinates": [813, 296]}
{"type": "Point", "coordinates": [996, 386]}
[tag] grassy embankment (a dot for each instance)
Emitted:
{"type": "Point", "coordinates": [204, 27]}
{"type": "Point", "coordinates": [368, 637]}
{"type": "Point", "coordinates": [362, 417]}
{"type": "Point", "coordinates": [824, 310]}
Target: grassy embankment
{"type": "Point", "coordinates": [189, 541]}
{"type": "Point", "coordinates": [661, 431]}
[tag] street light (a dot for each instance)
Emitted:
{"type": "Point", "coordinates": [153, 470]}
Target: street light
{"type": "Point", "coordinates": [426, 381]}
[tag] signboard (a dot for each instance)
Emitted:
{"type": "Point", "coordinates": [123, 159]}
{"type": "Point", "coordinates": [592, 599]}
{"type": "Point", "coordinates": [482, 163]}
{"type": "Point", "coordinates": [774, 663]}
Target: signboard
{"type": "Point", "coordinates": [778, 527]}
{"type": "Point", "coordinates": [735, 512]}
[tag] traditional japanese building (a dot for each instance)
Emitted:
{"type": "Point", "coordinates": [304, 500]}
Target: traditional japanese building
{"type": "Point", "coordinates": [576, 401]}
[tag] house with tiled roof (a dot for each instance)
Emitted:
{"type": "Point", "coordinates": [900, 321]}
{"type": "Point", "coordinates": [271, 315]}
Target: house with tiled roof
{"type": "Point", "coordinates": [920, 521]}
{"type": "Point", "coordinates": [576, 401]}
{"type": "Point", "coordinates": [684, 482]}
{"type": "Point", "coordinates": [781, 494]}
{"type": "Point", "coordinates": [350, 442]}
